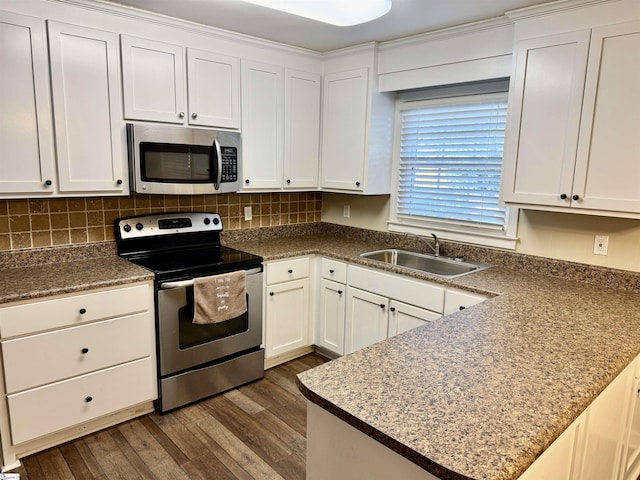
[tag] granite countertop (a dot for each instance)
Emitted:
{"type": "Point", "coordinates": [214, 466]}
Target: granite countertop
{"type": "Point", "coordinates": [481, 393]}
{"type": "Point", "coordinates": [36, 281]}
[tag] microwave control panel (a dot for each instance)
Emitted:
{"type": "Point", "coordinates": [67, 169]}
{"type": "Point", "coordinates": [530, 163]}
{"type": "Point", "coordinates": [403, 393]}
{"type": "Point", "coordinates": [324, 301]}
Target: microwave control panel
{"type": "Point", "coordinates": [229, 164]}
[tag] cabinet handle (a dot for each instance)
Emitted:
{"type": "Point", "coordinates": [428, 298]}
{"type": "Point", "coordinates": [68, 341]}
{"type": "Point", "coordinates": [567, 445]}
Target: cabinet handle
{"type": "Point", "coordinates": [84, 351]}
{"type": "Point", "coordinates": [247, 181]}
{"type": "Point", "coordinates": [575, 197]}
{"type": "Point", "coordinates": [462, 307]}
{"type": "Point", "coordinates": [563, 196]}
{"type": "Point", "coordinates": [181, 115]}
{"type": "Point", "coordinates": [393, 309]}
{"type": "Point", "coordinates": [290, 271]}
{"type": "Point", "coordinates": [83, 311]}
{"type": "Point", "coordinates": [331, 271]}
{"type": "Point", "coordinates": [194, 115]}
{"type": "Point", "coordinates": [88, 399]}
{"type": "Point", "coordinates": [288, 181]}
{"type": "Point", "coordinates": [48, 183]}
{"type": "Point", "coordinates": [271, 294]}
{"type": "Point", "coordinates": [382, 305]}
{"type": "Point", "coordinates": [357, 184]}
{"type": "Point", "coordinates": [339, 292]}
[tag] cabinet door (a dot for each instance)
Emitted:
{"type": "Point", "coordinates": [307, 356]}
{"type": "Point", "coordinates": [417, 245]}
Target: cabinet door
{"type": "Point", "coordinates": [558, 462]}
{"type": "Point", "coordinates": [213, 82]}
{"type": "Point", "coordinates": [301, 129]}
{"type": "Point", "coordinates": [544, 118]}
{"type": "Point", "coordinates": [153, 80]}
{"type": "Point", "coordinates": [262, 122]}
{"type": "Point", "coordinates": [332, 316]}
{"type": "Point", "coordinates": [26, 158]}
{"type": "Point", "coordinates": [287, 317]}
{"type": "Point", "coordinates": [605, 429]}
{"type": "Point", "coordinates": [607, 170]}
{"type": "Point", "coordinates": [90, 136]}
{"type": "Point", "coordinates": [632, 452]}
{"type": "Point", "coordinates": [344, 126]}
{"type": "Point", "coordinates": [403, 317]}
{"type": "Point", "coordinates": [366, 319]}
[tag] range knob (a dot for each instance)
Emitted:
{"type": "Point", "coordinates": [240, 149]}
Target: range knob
{"type": "Point", "coordinates": [127, 228]}
{"type": "Point", "coordinates": [207, 221]}
{"type": "Point", "coordinates": [139, 226]}
{"type": "Point", "coordinates": [216, 220]}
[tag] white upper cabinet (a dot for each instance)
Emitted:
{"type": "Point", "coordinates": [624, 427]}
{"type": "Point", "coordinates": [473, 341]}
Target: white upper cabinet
{"type": "Point", "coordinates": [280, 128]}
{"type": "Point", "coordinates": [262, 126]}
{"type": "Point", "coordinates": [301, 129]}
{"type": "Point", "coordinates": [153, 77]}
{"type": "Point", "coordinates": [344, 130]}
{"type": "Point", "coordinates": [214, 96]}
{"type": "Point", "coordinates": [90, 136]}
{"type": "Point", "coordinates": [357, 125]}
{"type": "Point", "coordinates": [27, 157]}
{"type": "Point", "coordinates": [153, 80]}
{"type": "Point", "coordinates": [572, 142]}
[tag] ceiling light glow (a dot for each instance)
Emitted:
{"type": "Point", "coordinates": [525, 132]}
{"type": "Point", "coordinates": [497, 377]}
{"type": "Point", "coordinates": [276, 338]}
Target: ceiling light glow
{"type": "Point", "coordinates": [341, 13]}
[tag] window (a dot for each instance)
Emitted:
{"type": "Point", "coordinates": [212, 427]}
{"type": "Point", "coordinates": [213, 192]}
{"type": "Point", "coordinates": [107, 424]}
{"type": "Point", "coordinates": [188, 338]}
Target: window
{"type": "Point", "coordinates": [447, 165]}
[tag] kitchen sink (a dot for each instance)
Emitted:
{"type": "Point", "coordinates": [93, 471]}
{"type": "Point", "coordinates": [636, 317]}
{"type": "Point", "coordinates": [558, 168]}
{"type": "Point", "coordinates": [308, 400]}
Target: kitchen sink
{"type": "Point", "coordinates": [440, 266]}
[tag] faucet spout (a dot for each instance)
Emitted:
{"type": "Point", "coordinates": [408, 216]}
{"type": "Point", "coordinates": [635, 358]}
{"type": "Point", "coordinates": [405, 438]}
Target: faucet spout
{"type": "Point", "coordinates": [436, 242]}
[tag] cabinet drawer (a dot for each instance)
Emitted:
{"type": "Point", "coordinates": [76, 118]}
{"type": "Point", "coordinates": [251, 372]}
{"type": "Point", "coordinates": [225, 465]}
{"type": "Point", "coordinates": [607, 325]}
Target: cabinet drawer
{"type": "Point", "coordinates": [73, 310]}
{"type": "Point", "coordinates": [333, 270]}
{"type": "Point", "coordinates": [414, 292]}
{"type": "Point", "coordinates": [48, 357]}
{"type": "Point", "coordinates": [286, 270]}
{"type": "Point", "coordinates": [456, 300]}
{"type": "Point", "coordinates": [44, 410]}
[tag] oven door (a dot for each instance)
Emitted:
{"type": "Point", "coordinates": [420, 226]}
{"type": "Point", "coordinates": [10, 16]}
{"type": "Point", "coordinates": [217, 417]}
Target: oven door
{"type": "Point", "coordinates": [184, 344]}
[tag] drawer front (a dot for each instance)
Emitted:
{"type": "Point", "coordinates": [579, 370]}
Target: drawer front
{"type": "Point", "coordinates": [44, 410]}
{"type": "Point", "coordinates": [74, 310]}
{"type": "Point", "coordinates": [414, 292]}
{"type": "Point", "coordinates": [48, 357]}
{"type": "Point", "coordinates": [456, 300]}
{"type": "Point", "coordinates": [286, 270]}
{"type": "Point", "coordinates": [333, 270]}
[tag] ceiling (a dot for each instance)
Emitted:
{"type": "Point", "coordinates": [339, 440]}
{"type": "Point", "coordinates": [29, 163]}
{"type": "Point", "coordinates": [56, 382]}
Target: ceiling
{"type": "Point", "coordinates": [407, 17]}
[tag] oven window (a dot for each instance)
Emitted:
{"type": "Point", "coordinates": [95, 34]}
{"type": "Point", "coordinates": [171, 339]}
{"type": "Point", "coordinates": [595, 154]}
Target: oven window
{"type": "Point", "coordinates": [162, 162]}
{"type": "Point", "coordinates": [192, 334]}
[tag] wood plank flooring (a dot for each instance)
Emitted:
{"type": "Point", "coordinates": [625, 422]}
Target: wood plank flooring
{"type": "Point", "coordinates": [257, 431]}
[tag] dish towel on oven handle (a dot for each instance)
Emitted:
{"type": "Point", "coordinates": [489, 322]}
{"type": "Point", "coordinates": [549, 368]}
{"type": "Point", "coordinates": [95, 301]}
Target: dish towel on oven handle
{"type": "Point", "coordinates": [219, 298]}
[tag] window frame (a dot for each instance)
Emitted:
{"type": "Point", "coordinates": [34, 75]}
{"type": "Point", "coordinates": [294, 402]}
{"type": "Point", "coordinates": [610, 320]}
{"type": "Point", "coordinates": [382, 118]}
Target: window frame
{"type": "Point", "coordinates": [448, 230]}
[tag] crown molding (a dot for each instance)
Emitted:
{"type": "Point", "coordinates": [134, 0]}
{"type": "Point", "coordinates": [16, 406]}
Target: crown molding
{"type": "Point", "coordinates": [553, 8]}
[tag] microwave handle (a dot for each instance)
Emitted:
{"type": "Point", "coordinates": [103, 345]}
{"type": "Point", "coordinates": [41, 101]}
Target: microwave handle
{"type": "Point", "coordinates": [218, 181]}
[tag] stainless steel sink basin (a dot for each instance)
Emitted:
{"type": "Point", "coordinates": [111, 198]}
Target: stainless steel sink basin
{"type": "Point", "coordinates": [441, 266]}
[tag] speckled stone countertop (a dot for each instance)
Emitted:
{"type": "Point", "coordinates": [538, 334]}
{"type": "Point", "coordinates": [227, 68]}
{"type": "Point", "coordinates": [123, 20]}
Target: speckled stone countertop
{"type": "Point", "coordinates": [56, 271]}
{"type": "Point", "coordinates": [481, 393]}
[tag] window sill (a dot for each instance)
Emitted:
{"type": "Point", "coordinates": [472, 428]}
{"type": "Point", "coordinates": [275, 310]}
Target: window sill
{"type": "Point", "coordinates": [479, 238]}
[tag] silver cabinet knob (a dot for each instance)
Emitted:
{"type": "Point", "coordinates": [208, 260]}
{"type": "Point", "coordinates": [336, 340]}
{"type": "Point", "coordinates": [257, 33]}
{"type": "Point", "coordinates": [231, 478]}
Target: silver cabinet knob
{"type": "Point", "coordinates": [194, 115]}
{"type": "Point", "coordinates": [181, 115]}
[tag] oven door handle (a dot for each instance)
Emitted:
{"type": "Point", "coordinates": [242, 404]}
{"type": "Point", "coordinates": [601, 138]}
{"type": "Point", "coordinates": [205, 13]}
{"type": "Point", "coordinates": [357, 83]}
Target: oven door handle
{"type": "Point", "coordinates": [189, 283]}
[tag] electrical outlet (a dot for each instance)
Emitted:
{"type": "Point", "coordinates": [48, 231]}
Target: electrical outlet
{"type": "Point", "coordinates": [247, 213]}
{"type": "Point", "coordinates": [600, 244]}
{"type": "Point", "coordinates": [346, 211]}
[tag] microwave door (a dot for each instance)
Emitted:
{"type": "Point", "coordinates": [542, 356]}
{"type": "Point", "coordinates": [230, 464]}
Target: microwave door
{"type": "Point", "coordinates": [217, 166]}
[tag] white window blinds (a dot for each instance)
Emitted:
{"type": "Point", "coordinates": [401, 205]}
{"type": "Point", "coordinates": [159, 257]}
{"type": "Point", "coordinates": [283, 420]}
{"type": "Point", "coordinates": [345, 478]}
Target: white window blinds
{"type": "Point", "coordinates": [450, 160]}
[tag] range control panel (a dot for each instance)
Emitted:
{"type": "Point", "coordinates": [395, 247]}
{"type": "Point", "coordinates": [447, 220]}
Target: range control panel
{"type": "Point", "coordinates": [168, 224]}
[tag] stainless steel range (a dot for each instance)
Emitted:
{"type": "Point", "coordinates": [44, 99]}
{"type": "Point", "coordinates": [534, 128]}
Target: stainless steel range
{"type": "Point", "coordinates": [195, 360]}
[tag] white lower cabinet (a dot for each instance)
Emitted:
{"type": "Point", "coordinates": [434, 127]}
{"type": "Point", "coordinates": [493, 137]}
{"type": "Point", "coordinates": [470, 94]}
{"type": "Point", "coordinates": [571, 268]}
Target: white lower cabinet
{"type": "Point", "coordinates": [331, 318]}
{"type": "Point", "coordinates": [367, 320]}
{"type": "Point", "coordinates": [287, 308]}
{"type": "Point", "coordinates": [456, 300]}
{"type": "Point", "coordinates": [404, 317]}
{"type": "Point", "coordinates": [602, 443]}
{"type": "Point", "coordinates": [74, 360]}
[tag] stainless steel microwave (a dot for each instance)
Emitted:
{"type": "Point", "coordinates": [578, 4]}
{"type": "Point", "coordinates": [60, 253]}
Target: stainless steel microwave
{"type": "Point", "coordinates": [183, 161]}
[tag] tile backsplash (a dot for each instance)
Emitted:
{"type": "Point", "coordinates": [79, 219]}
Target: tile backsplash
{"type": "Point", "coordinates": [33, 223]}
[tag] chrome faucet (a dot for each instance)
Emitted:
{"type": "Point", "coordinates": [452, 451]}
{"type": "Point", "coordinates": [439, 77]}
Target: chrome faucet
{"type": "Point", "coordinates": [436, 242]}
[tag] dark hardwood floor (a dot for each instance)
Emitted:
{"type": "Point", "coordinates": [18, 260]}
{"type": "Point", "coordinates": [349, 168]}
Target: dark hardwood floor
{"type": "Point", "coordinates": [254, 432]}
